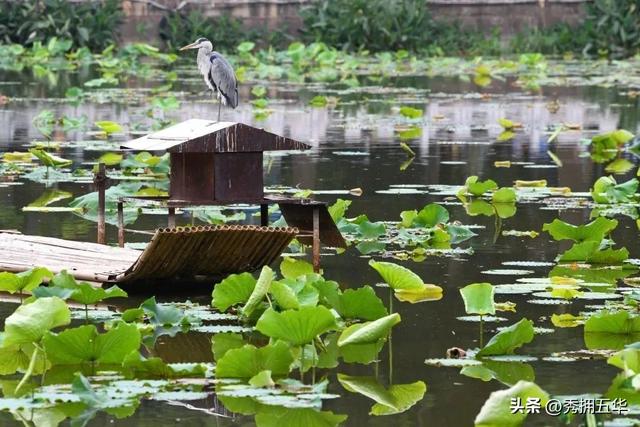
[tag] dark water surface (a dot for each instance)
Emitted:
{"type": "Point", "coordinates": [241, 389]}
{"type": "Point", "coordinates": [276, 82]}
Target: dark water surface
{"type": "Point", "coordinates": [458, 140]}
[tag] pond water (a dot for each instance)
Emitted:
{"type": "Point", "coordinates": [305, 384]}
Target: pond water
{"type": "Point", "coordinates": [356, 145]}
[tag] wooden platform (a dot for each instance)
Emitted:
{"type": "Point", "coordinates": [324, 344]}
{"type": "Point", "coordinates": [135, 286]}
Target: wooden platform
{"type": "Point", "coordinates": [173, 254]}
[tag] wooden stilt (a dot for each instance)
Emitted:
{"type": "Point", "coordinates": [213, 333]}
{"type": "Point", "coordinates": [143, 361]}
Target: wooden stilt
{"type": "Point", "coordinates": [264, 215]}
{"type": "Point", "coordinates": [100, 180]}
{"type": "Point", "coordinates": [316, 240]}
{"type": "Point", "coordinates": [121, 223]}
{"type": "Point", "coordinates": [171, 223]}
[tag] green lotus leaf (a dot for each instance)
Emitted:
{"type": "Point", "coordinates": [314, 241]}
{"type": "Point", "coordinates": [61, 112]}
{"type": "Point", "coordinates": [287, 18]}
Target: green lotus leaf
{"type": "Point", "coordinates": [505, 210]}
{"type": "Point", "coordinates": [48, 159]}
{"type": "Point", "coordinates": [371, 230]}
{"type": "Point", "coordinates": [613, 322]}
{"type": "Point", "coordinates": [506, 123]}
{"type": "Point", "coordinates": [278, 416]}
{"type": "Point", "coordinates": [496, 411]}
{"type": "Point", "coordinates": [361, 353]}
{"type": "Point", "coordinates": [509, 339]}
{"type": "Point", "coordinates": [339, 209]}
{"type": "Point", "coordinates": [139, 366]}
{"type": "Point", "coordinates": [504, 195]}
{"type": "Point", "coordinates": [291, 268]}
{"type": "Point", "coordinates": [296, 326]}
{"type": "Point", "coordinates": [459, 233]}
{"type": "Point", "coordinates": [233, 290]}
{"type": "Point", "coordinates": [262, 379]}
{"type": "Point", "coordinates": [478, 188]}
{"type": "Point", "coordinates": [284, 295]}
{"type": "Point", "coordinates": [25, 281]}
{"type": "Point", "coordinates": [478, 298]}
{"type": "Point", "coordinates": [163, 314]}
{"type": "Point", "coordinates": [109, 127]}
{"type": "Point", "coordinates": [619, 166]}
{"type": "Point", "coordinates": [83, 292]}
{"type": "Point", "coordinates": [225, 341]}
{"type": "Point", "coordinates": [428, 292]}
{"type": "Point", "coordinates": [628, 360]}
{"type": "Point", "coordinates": [259, 291]}
{"type": "Point", "coordinates": [398, 398]}
{"type": "Point", "coordinates": [507, 373]}
{"type": "Point", "coordinates": [607, 190]}
{"type": "Point", "coordinates": [407, 218]}
{"type": "Point", "coordinates": [594, 231]}
{"type": "Point", "coordinates": [248, 361]}
{"type": "Point", "coordinates": [361, 303]}
{"type": "Point", "coordinates": [479, 207]}
{"type": "Point", "coordinates": [397, 276]}
{"type": "Point", "coordinates": [432, 215]}
{"type": "Point", "coordinates": [404, 395]}
{"type": "Point", "coordinates": [30, 322]}
{"type": "Point", "coordinates": [368, 332]}
{"type": "Point", "coordinates": [369, 387]}
{"type": "Point", "coordinates": [589, 252]}
{"type": "Point", "coordinates": [411, 113]}
{"type": "Point", "coordinates": [85, 344]}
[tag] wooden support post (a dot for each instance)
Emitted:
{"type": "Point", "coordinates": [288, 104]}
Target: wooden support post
{"type": "Point", "coordinates": [264, 215]}
{"type": "Point", "coordinates": [316, 240]}
{"type": "Point", "coordinates": [120, 223]}
{"type": "Point", "coordinates": [100, 180]}
{"type": "Point", "coordinates": [171, 223]}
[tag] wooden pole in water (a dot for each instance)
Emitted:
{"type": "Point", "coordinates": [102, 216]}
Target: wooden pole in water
{"type": "Point", "coordinates": [171, 223]}
{"type": "Point", "coordinates": [264, 215]}
{"type": "Point", "coordinates": [100, 180]}
{"type": "Point", "coordinates": [121, 223]}
{"type": "Point", "coordinates": [316, 239]}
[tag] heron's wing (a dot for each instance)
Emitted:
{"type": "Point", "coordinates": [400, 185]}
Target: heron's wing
{"type": "Point", "coordinates": [224, 79]}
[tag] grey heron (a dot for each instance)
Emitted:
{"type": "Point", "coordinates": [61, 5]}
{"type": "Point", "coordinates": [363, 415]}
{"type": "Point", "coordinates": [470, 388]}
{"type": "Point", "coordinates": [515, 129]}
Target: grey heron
{"type": "Point", "coordinates": [217, 72]}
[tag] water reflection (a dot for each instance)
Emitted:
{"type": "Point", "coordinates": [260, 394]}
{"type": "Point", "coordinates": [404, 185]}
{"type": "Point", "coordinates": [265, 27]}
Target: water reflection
{"type": "Point", "coordinates": [461, 127]}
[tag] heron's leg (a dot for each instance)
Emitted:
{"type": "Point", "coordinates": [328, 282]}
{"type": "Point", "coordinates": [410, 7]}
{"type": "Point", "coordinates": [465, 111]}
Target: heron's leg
{"type": "Point", "coordinates": [219, 106]}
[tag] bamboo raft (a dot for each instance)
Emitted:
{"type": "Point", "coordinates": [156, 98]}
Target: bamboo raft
{"type": "Point", "coordinates": [180, 254]}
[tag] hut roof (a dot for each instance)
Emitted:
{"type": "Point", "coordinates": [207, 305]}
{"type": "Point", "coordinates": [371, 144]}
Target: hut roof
{"type": "Point", "coordinates": [206, 136]}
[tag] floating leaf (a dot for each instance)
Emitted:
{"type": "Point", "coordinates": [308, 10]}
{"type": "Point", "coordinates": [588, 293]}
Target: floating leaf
{"type": "Point", "coordinates": [509, 339]}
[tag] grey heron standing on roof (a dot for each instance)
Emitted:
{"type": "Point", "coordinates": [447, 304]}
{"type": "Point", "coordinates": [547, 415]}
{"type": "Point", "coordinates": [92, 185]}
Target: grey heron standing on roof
{"type": "Point", "coordinates": [217, 72]}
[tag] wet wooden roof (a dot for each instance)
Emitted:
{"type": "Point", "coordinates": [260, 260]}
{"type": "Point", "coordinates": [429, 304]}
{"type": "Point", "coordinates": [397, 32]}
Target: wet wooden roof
{"type": "Point", "coordinates": [177, 254]}
{"type": "Point", "coordinates": [207, 136]}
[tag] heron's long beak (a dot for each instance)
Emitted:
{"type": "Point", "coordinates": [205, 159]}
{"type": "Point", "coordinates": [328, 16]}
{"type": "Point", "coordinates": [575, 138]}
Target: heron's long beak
{"type": "Point", "coordinates": [189, 46]}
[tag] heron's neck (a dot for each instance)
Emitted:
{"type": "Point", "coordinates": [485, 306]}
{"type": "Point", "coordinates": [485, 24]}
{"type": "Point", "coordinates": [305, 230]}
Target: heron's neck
{"type": "Point", "coordinates": [204, 52]}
